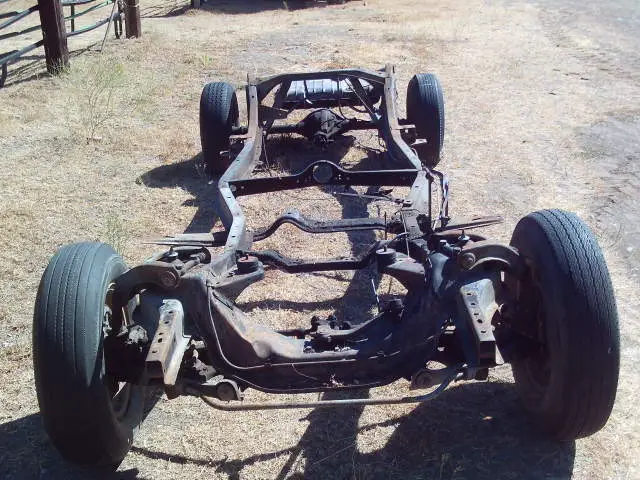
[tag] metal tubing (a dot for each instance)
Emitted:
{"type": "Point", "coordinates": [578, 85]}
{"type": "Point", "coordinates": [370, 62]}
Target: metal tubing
{"type": "Point", "coordinates": [18, 53]}
{"type": "Point", "coordinates": [312, 225]}
{"type": "Point", "coordinates": [20, 32]}
{"type": "Point", "coordinates": [71, 3]}
{"type": "Point", "coordinates": [274, 258]}
{"type": "Point", "coordinates": [349, 402]}
{"type": "Point", "coordinates": [111, 17]}
{"type": "Point", "coordinates": [359, 91]}
{"type": "Point", "coordinates": [85, 11]}
{"type": "Point", "coordinates": [265, 85]}
{"type": "Point", "coordinates": [18, 16]}
{"type": "Point", "coordinates": [71, 17]}
{"type": "Point", "coordinates": [3, 75]}
{"type": "Point", "coordinates": [91, 27]}
{"type": "Point", "coordinates": [9, 14]}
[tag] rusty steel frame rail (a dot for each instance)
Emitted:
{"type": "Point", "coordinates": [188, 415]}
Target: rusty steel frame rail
{"type": "Point", "coordinates": [245, 354]}
{"type": "Point", "coordinates": [234, 180]}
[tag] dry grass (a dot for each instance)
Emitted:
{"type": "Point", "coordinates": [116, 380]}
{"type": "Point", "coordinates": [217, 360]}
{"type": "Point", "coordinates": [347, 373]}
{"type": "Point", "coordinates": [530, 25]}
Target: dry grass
{"type": "Point", "coordinates": [540, 114]}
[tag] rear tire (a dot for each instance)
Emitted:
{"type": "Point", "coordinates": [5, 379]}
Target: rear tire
{"type": "Point", "coordinates": [569, 385]}
{"type": "Point", "coordinates": [425, 109]}
{"type": "Point", "coordinates": [84, 420]}
{"type": "Point", "coordinates": [218, 115]}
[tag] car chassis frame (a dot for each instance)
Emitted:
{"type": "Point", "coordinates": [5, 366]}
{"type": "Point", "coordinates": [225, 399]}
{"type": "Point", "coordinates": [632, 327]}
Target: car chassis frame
{"type": "Point", "coordinates": [175, 323]}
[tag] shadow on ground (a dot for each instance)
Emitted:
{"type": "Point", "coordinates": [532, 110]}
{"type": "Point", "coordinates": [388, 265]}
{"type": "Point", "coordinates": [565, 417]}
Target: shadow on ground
{"type": "Point", "coordinates": [184, 175]}
{"type": "Point", "coordinates": [26, 453]}
{"type": "Point", "coordinates": [472, 431]}
{"type": "Point", "coordinates": [33, 67]}
{"type": "Point", "coordinates": [291, 155]}
{"type": "Point", "coordinates": [171, 8]}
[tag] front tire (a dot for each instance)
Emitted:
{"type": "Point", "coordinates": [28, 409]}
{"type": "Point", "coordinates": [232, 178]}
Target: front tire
{"type": "Point", "coordinates": [569, 383]}
{"type": "Point", "coordinates": [89, 417]}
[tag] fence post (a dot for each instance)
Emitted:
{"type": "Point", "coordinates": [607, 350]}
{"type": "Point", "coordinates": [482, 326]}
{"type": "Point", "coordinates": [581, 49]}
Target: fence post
{"type": "Point", "coordinates": [54, 35]}
{"type": "Point", "coordinates": [132, 18]}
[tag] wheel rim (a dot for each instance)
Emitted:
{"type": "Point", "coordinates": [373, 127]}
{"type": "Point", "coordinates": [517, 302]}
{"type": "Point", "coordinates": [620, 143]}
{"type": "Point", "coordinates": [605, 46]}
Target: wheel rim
{"type": "Point", "coordinates": [120, 400]}
{"type": "Point", "coordinates": [537, 367]}
{"type": "Point", "coordinates": [119, 392]}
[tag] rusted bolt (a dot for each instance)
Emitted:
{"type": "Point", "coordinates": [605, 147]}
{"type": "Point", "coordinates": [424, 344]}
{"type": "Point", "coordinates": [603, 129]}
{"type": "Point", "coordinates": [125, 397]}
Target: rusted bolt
{"type": "Point", "coordinates": [467, 260]}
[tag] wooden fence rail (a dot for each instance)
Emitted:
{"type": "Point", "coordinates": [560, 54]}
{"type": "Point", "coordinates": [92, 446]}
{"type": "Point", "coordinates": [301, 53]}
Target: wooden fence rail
{"type": "Point", "coordinates": [54, 34]}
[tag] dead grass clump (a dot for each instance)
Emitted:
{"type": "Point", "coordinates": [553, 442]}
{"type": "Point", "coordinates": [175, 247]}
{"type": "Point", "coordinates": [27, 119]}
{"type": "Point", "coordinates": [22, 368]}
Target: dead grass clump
{"type": "Point", "coordinates": [95, 87]}
{"type": "Point", "coordinates": [115, 233]}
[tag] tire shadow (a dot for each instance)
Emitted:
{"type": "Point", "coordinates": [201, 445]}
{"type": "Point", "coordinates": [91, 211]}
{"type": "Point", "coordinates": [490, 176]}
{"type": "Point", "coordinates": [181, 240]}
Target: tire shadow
{"type": "Point", "coordinates": [185, 176]}
{"type": "Point", "coordinates": [27, 453]}
{"type": "Point", "coordinates": [472, 431]}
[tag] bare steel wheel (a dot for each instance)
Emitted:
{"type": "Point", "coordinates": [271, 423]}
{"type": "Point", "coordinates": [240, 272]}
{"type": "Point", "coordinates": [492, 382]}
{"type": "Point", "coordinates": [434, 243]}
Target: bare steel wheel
{"type": "Point", "coordinates": [119, 392]}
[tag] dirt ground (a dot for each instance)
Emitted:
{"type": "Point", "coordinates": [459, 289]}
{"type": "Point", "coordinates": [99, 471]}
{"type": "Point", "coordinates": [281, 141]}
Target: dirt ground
{"type": "Point", "coordinates": [543, 110]}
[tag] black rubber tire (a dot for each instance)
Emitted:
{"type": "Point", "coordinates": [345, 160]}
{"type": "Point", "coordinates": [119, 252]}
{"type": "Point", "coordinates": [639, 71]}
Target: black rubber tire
{"type": "Point", "coordinates": [425, 109]}
{"type": "Point", "coordinates": [218, 114]}
{"type": "Point", "coordinates": [75, 403]}
{"type": "Point", "coordinates": [571, 393]}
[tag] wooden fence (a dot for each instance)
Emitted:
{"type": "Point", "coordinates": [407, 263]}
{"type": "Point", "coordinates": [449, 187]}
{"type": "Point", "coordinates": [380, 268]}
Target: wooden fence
{"type": "Point", "coordinates": [53, 27]}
